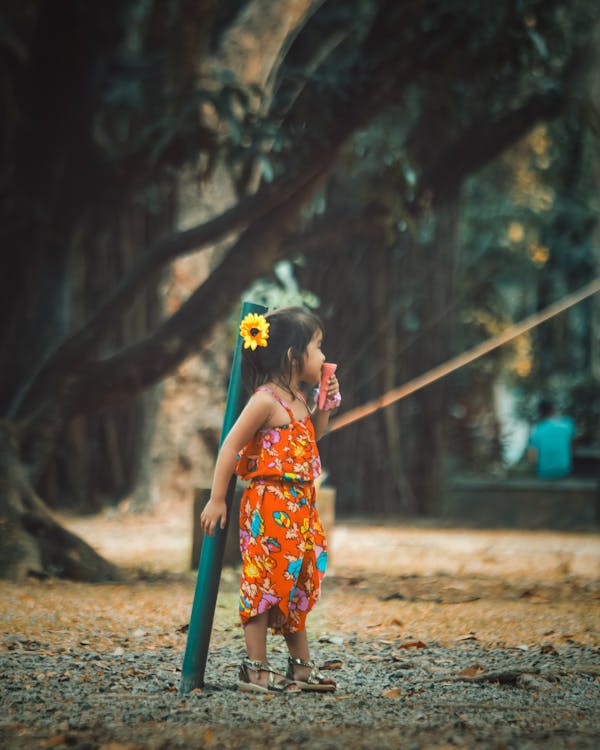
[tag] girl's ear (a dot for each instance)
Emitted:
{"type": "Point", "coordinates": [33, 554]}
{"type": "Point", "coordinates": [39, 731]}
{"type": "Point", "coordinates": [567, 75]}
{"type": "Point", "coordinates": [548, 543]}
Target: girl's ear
{"type": "Point", "coordinates": [289, 356]}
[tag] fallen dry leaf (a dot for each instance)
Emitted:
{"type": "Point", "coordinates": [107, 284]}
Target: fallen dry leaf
{"type": "Point", "coordinates": [395, 692]}
{"type": "Point", "coordinates": [58, 739]}
{"type": "Point", "coordinates": [412, 644]}
{"type": "Point", "coordinates": [471, 671]}
{"type": "Point", "coordinates": [332, 664]}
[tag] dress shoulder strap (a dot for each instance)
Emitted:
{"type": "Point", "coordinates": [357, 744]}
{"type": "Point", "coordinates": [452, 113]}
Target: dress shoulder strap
{"type": "Point", "coordinates": [278, 399]}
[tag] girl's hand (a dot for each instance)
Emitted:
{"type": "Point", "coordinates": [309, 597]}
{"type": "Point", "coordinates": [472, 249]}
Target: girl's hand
{"type": "Point", "coordinates": [215, 511]}
{"type": "Point", "coordinates": [333, 387]}
{"type": "Point", "coordinates": [320, 417]}
{"type": "Point", "coordinates": [333, 398]}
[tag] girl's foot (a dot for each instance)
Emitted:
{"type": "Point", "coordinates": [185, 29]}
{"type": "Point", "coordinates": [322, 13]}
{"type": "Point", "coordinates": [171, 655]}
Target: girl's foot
{"type": "Point", "coordinates": [256, 677]}
{"type": "Point", "coordinates": [306, 675]}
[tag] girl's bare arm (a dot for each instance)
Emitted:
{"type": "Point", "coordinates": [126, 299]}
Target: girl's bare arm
{"type": "Point", "coordinates": [254, 416]}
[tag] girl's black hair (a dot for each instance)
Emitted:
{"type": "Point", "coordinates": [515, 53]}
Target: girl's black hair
{"type": "Point", "coordinates": [290, 330]}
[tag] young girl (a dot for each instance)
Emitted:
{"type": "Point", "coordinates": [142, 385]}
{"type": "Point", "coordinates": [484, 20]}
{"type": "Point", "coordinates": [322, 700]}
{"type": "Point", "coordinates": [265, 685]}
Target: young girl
{"type": "Point", "coordinates": [273, 444]}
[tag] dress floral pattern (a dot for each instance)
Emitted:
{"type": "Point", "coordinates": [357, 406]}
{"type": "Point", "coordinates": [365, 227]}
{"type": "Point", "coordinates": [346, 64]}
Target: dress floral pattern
{"type": "Point", "coordinates": [283, 545]}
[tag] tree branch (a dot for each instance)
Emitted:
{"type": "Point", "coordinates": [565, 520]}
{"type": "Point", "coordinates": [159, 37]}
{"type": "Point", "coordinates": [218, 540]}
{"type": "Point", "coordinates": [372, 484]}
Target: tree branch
{"type": "Point", "coordinates": [186, 331]}
{"type": "Point", "coordinates": [102, 382]}
{"type": "Point", "coordinates": [80, 345]}
{"type": "Point", "coordinates": [348, 112]}
{"type": "Point", "coordinates": [483, 142]}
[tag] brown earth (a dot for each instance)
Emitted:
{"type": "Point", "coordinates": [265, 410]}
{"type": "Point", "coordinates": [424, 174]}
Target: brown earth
{"type": "Point", "coordinates": [512, 586]}
{"type": "Point", "coordinates": [392, 591]}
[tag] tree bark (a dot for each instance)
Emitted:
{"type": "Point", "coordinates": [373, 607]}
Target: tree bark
{"type": "Point", "coordinates": [32, 541]}
{"type": "Point", "coordinates": [430, 426]}
{"type": "Point", "coordinates": [595, 107]}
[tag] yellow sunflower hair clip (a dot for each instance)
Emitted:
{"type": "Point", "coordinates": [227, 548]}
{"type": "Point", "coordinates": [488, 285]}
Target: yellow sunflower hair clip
{"type": "Point", "coordinates": [254, 329]}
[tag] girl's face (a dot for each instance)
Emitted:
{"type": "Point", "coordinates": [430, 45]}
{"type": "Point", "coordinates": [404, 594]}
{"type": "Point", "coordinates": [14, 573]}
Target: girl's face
{"type": "Point", "coordinates": [313, 360]}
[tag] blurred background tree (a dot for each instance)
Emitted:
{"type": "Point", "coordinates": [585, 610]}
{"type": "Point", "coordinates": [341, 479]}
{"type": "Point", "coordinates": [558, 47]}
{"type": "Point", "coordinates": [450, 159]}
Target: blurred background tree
{"type": "Point", "coordinates": [393, 152]}
{"type": "Point", "coordinates": [498, 158]}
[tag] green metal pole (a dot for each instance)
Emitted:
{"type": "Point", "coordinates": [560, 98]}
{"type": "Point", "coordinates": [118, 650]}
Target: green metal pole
{"type": "Point", "coordinates": [213, 547]}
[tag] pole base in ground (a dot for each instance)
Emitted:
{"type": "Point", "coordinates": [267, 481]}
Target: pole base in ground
{"type": "Point", "coordinates": [189, 683]}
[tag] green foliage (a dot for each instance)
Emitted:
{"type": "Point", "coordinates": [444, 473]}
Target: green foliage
{"type": "Point", "coordinates": [527, 235]}
{"type": "Point", "coordinates": [282, 289]}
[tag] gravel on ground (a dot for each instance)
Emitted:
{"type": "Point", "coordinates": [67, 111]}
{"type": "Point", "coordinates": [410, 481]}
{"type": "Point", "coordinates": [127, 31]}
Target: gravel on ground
{"type": "Point", "coordinates": [438, 638]}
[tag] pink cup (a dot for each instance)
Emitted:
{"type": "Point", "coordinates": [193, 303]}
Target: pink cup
{"type": "Point", "coordinates": [327, 370]}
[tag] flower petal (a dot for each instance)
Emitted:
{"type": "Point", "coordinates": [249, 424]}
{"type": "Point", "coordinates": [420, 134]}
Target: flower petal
{"type": "Point", "coordinates": [254, 329]}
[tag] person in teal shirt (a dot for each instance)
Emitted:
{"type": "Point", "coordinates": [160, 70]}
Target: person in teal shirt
{"type": "Point", "coordinates": [550, 443]}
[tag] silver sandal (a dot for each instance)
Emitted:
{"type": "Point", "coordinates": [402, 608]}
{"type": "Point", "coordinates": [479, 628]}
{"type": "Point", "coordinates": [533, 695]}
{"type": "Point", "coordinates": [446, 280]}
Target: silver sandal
{"type": "Point", "coordinates": [315, 680]}
{"type": "Point", "coordinates": [281, 685]}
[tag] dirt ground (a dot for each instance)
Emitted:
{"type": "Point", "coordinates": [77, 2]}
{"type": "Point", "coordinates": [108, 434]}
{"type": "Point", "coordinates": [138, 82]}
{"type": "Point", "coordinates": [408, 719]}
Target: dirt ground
{"type": "Point", "coordinates": [428, 567]}
{"type": "Point", "coordinates": [413, 618]}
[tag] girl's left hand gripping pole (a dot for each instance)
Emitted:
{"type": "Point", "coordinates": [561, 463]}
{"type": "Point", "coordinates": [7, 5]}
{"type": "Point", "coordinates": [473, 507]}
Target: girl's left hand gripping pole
{"type": "Point", "coordinates": [213, 547]}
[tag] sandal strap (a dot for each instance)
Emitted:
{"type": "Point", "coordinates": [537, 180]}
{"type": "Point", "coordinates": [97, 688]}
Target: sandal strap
{"type": "Point", "coordinates": [300, 662]}
{"type": "Point", "coordinates": [274, 684]}
{"type": "Point", "coordinates": [258, 666]}
{"type": "Point", "coordinates": [314, 678]}
{"type": "Point", "coordinates": [278, 685]}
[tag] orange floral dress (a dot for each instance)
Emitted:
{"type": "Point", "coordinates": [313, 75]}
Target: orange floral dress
{"type": "Point", "coordinates": [283, 545]}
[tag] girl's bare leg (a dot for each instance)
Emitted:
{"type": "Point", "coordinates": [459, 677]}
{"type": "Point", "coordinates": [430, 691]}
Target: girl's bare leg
{"type": "Point", "coordinates": [297, 644]}
{"type": "Point", "coordinates": [255, 634]}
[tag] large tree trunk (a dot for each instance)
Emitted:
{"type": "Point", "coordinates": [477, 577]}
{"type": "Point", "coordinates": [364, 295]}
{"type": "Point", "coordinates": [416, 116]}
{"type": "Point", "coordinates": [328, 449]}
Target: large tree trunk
{"type": "Point", "coordinates": [394, 302]}
{"type": "Point", "coordinates": [181, 453]}
{"type": "Point", "coordinates": [42, 546]}
{"type": "Point", "coordinates": [97, 458]}
{"type": "Point", "coordinates": [595, 317]}
{"type": "Point", "coordinates": [32, 541]}
{"type": "Point", "coordinates": [430, 424]}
